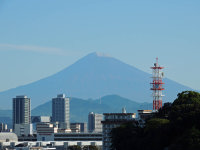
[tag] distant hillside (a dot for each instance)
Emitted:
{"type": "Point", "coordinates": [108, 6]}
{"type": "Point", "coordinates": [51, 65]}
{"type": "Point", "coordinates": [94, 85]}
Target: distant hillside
{"type": "Point", "coordinates": [6, 117]}
{"type": "Point", "coordinates": [5, 113]}
{"type": "Point", "coordinates": [91, 77]}
{"type": "Point", "coordinates": [80, 108]}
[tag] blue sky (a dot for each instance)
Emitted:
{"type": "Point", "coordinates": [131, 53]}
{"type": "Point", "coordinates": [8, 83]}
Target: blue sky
{"type": "Point", "coordinates": [41, 37]}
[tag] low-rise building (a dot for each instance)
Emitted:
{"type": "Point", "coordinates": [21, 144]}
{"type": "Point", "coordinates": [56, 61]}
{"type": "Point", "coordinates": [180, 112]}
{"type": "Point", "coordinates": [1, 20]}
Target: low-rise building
{"type": "Point", "coordinates": [78, 127]}
{"type": "Point", "coordinates": [75, 128]}
{"type": "Point", "coordinates": [48, 145]}
{"type": "Point", "coordinates": [94, 122]}
{"type": "Point", "coordinates": [90, 137]}
{"type": "Point", "coordinates": [145, 114]}
{"type": "Point", "coordinates": [8, 137]}
{"type": "Point", "coordinates": [39, 119]}
{"type": "Point", "coordinates": [78, 137]}
{"type": "Point", "coordinates": [36, 119]}
{"type": "Point", "coordinates": [45, 131]}
{"type": "Point", "coordinates": [113, 120]}
{"type": "Point", "coordinates": [23, 129]}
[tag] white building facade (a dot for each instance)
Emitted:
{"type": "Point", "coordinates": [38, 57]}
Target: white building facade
{"type": "Point", "coordinates": [23, 129]}
{"type": "Point", "coordinates": [94, 122]}
{"type": "Point", "coordinates": [113, 120]}
{"type": "Point", "coordinates": [46, 131]}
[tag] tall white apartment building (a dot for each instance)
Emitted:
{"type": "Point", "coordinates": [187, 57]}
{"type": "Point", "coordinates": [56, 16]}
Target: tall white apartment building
{"type": "Point", "coordinates": [94, 122]}
{"type": "Point", "coordinates": [60, 111]}
{"type": "Point", "coordinates": [22, 115]}
{"type": "Point", "coordinates": [21, 110]}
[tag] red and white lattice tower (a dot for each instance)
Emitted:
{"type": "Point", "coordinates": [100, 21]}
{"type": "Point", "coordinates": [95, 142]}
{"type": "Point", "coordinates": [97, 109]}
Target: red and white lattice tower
{"type": "Point", "coordinates": [157, 86]}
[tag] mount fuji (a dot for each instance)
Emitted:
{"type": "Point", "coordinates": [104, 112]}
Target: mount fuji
{"type": "Point", "coordinates": [93, 76]}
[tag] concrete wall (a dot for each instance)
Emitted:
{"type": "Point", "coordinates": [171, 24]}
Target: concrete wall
{"type": "Point", "coordinates": [41, 137]}
{"type": "Point", "coordinates": [23, 129]}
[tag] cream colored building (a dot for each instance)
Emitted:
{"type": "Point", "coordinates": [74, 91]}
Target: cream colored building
{"type": "Point", "coordinates": [45, 131]}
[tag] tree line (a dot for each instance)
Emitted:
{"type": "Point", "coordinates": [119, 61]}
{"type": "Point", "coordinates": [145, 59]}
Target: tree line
{"type": "Point", "coordinates": [176, 126]}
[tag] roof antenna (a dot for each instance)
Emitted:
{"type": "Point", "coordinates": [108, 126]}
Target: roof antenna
{"type": "Point", "coordinates": [123, 110]}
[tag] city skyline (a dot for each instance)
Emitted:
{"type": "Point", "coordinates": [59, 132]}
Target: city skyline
{"type": "Point", "coordinates": [35, 33]}
{"type": "Point", "coordinates": [129, 69]}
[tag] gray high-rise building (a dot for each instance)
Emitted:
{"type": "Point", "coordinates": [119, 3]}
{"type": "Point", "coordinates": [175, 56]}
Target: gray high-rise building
{"type": "Point", "coordinates": [94, 122]}
{"type": "Point", "coordinates": [60, 111]}
{"type": "Point", "coordinates": [21, 110]}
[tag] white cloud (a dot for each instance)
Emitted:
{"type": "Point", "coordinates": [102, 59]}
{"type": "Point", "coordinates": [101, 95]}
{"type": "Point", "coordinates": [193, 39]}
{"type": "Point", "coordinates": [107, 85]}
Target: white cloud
{"type": "Point", "coordinates": [32, 48]}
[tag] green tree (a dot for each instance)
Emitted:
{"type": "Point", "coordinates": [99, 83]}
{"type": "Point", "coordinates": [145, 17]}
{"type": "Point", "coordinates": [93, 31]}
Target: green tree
{"type": "Point", "coordinates": [185, 111]}
{"type": "Point", "coordinates": [74, 147]}
{"type": "Point", "coordinates": [164, 111]}
{"type": "Point", "coordinates": [126, 137]}
{"type": "Point", "coordinates": [176, 126]}
{"type": "Point", "coordinates": [90, 147]}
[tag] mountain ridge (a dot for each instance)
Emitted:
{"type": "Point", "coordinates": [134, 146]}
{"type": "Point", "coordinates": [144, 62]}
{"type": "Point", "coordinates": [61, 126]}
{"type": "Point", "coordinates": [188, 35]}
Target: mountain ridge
{"type": "Point", "coordinates": [90, 77]}
{"type": "Point", "coordinates": [80, 108]}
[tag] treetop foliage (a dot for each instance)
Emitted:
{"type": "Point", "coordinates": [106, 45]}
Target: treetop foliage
{"type": "Point", "coordinates": [174, 127]}
{"type": "Point", "coordinates": [187, 97]}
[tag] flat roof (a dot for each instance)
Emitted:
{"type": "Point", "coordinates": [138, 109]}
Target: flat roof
{"type": "Point", "coordinates": [146, 110]}
{"type": "Point", "coordinates": [119, 113]}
